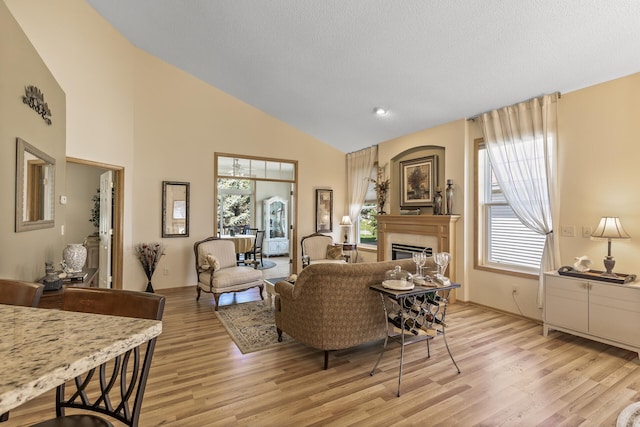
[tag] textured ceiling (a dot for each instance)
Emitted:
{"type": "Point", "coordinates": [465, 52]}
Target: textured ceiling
{"type": "Point", "coordinates": [323, 65]}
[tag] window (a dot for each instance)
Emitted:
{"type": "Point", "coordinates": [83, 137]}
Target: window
{"type": "Point", "coordinates": [235, 201]}
{"type": "Point", "coordinates": [367, 222]}
{"type": "Point", "coordinates": [503, 242]}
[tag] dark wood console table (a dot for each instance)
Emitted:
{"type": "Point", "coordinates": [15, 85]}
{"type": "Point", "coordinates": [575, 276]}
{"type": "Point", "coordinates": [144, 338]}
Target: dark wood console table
{"type": "Point", "coordinates": [53, 299]}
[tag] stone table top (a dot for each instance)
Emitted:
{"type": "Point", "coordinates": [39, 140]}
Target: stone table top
{"type": "Point", "coordinates": [42, 348]}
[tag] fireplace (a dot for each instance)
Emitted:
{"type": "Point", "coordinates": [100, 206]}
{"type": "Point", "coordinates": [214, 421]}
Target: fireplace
{"type": "Point", "coordinates": [437, 232]}
{"type": "Point", "coordinates": [402, 251]}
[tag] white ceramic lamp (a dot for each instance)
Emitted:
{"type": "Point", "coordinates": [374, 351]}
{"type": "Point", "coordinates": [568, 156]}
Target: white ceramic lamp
{"type": "Point", "coordinates": [609, 228]}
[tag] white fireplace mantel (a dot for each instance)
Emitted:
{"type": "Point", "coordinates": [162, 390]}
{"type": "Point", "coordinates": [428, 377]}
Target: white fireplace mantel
{"type": "Point", "coordinates": [435, 231]}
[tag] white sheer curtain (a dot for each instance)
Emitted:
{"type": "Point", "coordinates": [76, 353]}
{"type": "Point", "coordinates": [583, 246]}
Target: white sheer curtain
{"type": "Point", "coordinates": [522, 149]}
{"type": "Point", "coordinates": [359, 166]}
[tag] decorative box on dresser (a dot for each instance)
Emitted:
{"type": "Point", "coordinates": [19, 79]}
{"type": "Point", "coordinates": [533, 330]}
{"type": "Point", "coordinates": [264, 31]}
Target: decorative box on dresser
{"type": "Point", "coordinates": [598, 310]}
{"type": "Point", "coordinates": [53, 299]}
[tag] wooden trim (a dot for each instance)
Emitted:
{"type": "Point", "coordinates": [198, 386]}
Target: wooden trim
{"type": "Point", "coordinates": [476, 199]}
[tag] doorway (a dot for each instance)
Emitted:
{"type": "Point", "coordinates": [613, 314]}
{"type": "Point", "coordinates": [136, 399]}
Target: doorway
{"type": "Point", "coordinates": [245, 188]}
{"type": "Point", "coordinates": [78, 216]}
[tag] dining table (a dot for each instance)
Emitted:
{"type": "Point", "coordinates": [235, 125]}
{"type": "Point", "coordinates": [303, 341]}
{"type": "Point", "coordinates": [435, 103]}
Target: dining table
{"type": "Point", "coordinates": [42, 348]}
{"type": "Point", "coordinates": [242, 242]}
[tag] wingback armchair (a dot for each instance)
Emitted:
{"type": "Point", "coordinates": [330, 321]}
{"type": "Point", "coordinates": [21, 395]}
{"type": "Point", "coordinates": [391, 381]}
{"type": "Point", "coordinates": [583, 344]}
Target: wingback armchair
{"type": "Point", "coordinates": [319, 248]}
{"type": "Point", "coordinates": [218, 272]}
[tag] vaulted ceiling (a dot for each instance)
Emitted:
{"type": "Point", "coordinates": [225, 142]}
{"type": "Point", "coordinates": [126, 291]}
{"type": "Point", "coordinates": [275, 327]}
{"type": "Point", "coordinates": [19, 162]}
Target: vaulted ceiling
{"type": "Point", "coordinates": [323, 65]}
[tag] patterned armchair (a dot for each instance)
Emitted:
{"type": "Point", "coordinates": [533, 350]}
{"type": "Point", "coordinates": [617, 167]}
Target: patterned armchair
{"type": "Point", "coordinates": [218, 272]}
{"type": "Point", "coordinates": [330, 306]}
{"type": "Point", "coordinates": [319, 248]}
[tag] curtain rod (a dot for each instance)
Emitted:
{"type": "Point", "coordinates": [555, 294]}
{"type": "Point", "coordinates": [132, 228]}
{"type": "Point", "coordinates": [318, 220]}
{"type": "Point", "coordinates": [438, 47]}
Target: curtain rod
{"type": "Point", "coordinates": [557, 94]}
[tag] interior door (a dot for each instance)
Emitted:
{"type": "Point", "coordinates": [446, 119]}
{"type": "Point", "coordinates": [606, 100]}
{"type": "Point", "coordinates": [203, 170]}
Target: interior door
{"type": "Point", "coordinates": [106, 230]}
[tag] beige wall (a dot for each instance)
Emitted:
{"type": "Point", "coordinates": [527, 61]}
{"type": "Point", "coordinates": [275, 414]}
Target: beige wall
{"type": "Point", "coordinates": [22, 255]}
{"type": "Point", "coordinates": [451, 137]}
{"type": "Point", "coordinates": [129, 109]}
{"type": "Point", "coordinates": [82, 184]}
{"type": "Point", "coordinates": [599, 129]}
{"type": "Point", "coordinates": [598, 171]}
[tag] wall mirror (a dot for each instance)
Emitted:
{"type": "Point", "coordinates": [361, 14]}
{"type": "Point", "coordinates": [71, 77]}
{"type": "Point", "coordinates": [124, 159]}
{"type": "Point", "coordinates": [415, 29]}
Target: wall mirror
{"type": "Point", "coordinates": [175, 209]}
{"type": "Point", "coordinates": [35, 188]}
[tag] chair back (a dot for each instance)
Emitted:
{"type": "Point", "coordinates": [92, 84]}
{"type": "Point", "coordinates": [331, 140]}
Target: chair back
{"type": "Point", "coordinates": [223, 249]}
{"type": "Point", "coordinates": [119, 388]}
{"type": "Point", "coordinates": [315, 246]}
{"type": "Point", "coordinates": [259, 239]}
{"type": "Point", "coordinates": [18, 292]}
{"type": "Point", "coordinates": [252, 231]}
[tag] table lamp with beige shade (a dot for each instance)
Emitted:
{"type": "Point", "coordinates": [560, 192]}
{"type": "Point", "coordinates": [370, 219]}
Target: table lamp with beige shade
{"type": "Point", "coordinates": [609, 228]}
{"type": "Point", "coordinates": [346, 223]}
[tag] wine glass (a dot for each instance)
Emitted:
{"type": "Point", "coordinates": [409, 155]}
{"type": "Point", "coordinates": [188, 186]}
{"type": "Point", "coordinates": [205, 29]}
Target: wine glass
{"type": "Point", "coordinates": [419, 258]}
{"type": "Point", "coordinates": [442, 261]}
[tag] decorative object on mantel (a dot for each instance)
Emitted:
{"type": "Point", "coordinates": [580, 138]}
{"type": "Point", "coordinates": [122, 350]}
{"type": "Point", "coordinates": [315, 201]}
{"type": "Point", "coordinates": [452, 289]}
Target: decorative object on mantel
{"type": "Point", "coordinates": [582, 264]}
{"type": "Point", "coordinates": [74, 255]}
{"type": "Point", "coordinates": [149, 255]}
{"type": "Point", "coordinates": [346, 223]}
{"type": "Point", "coordinates": [382, 187]}
{"type": "Point", "coordinates": [437, 202]}
{"type": "Point", "coordinates": [34, 98]}
{"type": "Point", "coordinates": [410, 211]}
{"type": "Point", "coordinates": [449, 196]}
{"type": "Point", "coordinates": [609, 228]}
{"type": "Point", "coordinates": [597, 275]}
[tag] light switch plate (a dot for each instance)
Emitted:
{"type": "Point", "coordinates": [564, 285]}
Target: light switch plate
{"type": "Point", "coordinates": [568, 231]}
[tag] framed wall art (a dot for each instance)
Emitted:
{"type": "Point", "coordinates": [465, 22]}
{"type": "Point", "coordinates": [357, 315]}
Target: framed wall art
{"type": "Point", "coordinates": [324, 211]}
{"type": "Point", "coordinates": [418, 180]}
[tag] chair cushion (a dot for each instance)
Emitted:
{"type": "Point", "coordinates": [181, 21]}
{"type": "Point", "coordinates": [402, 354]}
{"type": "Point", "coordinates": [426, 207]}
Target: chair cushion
{"type": "Point", "coordinates": [328, 261]}
{"type": "Point", "coordinates": [334, 252]}
{"type": "Point", "coordinates": [79, 420]}
{"type": "Point", "coordinates": [231, 276]}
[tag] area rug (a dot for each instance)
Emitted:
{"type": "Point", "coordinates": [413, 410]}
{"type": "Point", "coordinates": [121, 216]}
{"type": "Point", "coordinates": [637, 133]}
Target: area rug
{"type": "Point", "coordinates": [266, 265]}
{"type": "Point", "coordinates": [251, 325]}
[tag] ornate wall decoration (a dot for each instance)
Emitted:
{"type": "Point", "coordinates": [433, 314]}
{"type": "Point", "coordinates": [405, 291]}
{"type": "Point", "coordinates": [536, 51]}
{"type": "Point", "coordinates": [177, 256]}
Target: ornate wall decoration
{"type": "Point", "coordinates": [34, 98]}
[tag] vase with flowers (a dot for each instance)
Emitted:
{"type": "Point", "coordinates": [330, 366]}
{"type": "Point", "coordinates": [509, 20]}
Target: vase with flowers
{"type": "Point", "coordinates": [382, 187]}
{"type": "Point", "coordinates": [149, 255]}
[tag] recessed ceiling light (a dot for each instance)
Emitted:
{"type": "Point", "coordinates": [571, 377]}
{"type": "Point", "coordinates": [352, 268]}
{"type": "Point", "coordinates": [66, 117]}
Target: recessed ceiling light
{"type": "Point", "coordinates": [379, 111]}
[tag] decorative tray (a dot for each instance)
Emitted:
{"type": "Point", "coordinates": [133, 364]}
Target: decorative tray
{"type": "Point", "coordinates": [597, 275]}
{"type": "Point", "coordinates": [398, 285]}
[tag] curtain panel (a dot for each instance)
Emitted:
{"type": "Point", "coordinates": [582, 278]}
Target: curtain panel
{"type": "Point", "coordinates": [521, 143]}
{"type": "Point", "coordinates": [359, 166]}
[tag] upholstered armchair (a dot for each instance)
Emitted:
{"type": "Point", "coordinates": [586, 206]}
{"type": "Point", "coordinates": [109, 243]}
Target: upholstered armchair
{"type": "Point", "coordinates": [330, 306]}
{"type": "Point", "coordinates": [218, 272]}
{"type": "Point", "coordinates": [319, 248]}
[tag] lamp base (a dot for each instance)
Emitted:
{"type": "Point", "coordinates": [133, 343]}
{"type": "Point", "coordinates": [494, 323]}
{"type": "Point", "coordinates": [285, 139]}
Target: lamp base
{"type": "Point", "coordinates": [609, 263]}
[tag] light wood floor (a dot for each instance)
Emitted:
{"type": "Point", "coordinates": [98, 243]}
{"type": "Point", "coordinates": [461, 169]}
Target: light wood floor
{"type": "Point", "coordinates": [511, 376]}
